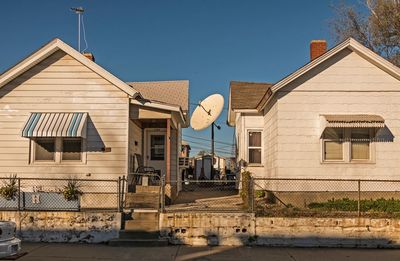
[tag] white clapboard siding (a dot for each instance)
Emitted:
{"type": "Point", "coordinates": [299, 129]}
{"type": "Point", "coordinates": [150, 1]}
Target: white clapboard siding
{"type": "Point", "coordinates": [62, 84]}
{"type": "Point", "coordinates": [351, 85]}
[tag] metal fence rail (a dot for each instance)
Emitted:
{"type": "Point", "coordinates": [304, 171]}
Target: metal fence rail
{"type": "Point", "coordinates": [54, 194]}
{"type": "Point", "coordinates": [326, 197]}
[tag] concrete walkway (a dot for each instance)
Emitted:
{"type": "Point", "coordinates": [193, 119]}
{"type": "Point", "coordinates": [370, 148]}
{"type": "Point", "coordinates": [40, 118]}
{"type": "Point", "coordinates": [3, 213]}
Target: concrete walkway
{"type": "Point", "coordinates": [80, 252]}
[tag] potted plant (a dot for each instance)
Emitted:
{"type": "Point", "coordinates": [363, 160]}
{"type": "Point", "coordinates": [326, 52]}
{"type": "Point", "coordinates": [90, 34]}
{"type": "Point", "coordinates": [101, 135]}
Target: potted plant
{"type": "Point", "coordinates": [72, 190]}
{"type": "Point", "coordinates": [9, 192]}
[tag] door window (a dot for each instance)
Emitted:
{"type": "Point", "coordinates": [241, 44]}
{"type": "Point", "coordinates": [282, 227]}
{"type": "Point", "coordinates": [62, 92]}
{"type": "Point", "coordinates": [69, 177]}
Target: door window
{"type": "Point", "coordinates": [157, 147]}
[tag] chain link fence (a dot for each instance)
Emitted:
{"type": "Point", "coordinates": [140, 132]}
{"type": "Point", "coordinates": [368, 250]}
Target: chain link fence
{"type": "Point", "coordinates": [203, 196]}
{"type": "Point", "coordinates": [326, 197]}
{"type": "Point", "coordinates": [53, 194]}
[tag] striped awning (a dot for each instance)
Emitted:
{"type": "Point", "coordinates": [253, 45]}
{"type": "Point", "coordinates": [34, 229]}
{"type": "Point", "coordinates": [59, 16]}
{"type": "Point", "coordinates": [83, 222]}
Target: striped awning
{"type": "Point", "coordinates": [55, 124]}
{"type": "Point", "coordinates": [354, 121]}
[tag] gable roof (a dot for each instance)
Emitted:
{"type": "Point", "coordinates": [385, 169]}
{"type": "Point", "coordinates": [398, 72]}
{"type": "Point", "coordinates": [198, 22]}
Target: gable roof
{"type": "Point", "coordinates": [247, 95]}
{"type": "Point", "coordinates": [349, 43]}
{"type": "Point", "coordinates": [169, 92]}
{"type": "Point", "coordinates": [50, 48]}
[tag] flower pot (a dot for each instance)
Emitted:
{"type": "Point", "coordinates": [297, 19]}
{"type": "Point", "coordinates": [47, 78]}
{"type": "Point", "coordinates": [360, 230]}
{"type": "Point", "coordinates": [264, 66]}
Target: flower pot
{"type": "Point", "coordinates": [7, 204]}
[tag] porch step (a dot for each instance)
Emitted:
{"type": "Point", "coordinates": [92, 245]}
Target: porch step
{"type": "Point", "coordinates": [142, 200]}
{"type": "Point", "coordinates": [138, 242]}
{"type": "Point", "coordinates": [141, 225]}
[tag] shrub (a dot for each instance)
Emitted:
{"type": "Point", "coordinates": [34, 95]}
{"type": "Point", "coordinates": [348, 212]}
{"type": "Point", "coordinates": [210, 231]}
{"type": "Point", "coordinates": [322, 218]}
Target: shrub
{"type": "Point", "coordinates": [9, 189]}
{"type": "Point", "coordinates": [245, 193]}
{"type": "Point", "coordinates": [366, 205]}
{"type": "Point", "coordinates": [260, 193]}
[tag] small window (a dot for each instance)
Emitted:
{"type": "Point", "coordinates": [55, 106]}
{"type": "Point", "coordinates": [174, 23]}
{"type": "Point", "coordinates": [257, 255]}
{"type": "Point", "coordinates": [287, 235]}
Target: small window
{"type": "Point", "coordinates": [360, 143]}
{"type": "Point", "coordinates": [45, 149]}
{"type": "Point", "coordinates": [157, 144]}
{"type": "Point", "coordinates": [71, 149]}
{"type": "Point", "coordinates": [333, 144]}
{"type": "Point", "coordinates": [254, 147]}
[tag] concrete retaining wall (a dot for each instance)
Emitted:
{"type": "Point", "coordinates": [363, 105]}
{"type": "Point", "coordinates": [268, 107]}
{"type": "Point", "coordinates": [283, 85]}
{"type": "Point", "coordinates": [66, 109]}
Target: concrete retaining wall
{"type": "Point", "coordinates": [71, 227]}
{"type": "Point", "coordinates": [246, 229]}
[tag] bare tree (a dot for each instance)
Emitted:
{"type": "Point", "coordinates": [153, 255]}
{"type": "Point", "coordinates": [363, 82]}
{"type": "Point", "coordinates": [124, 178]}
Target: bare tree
{"type": "Point", "coordinates": [374, 23]}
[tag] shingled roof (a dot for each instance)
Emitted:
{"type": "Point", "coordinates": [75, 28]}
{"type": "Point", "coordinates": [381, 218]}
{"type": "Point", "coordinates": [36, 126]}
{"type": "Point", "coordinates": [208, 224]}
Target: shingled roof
{"type": "Point", "coordinates": [246, 95]}
{"type": "Point", "coordinates": [170, 92]}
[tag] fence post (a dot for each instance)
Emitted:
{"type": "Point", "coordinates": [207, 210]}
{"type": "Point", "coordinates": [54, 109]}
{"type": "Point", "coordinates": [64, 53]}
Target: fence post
{"type": "Point", "coordinates": [359, 199]}
{"type": "Point", "coordinates": [19, 194]}
{"type": "Point", "coordinates": [162, 192]}
{"type": "Point", "coordinates": [251, 194]}
{"type": "Point", "coordinates": [119, 193]}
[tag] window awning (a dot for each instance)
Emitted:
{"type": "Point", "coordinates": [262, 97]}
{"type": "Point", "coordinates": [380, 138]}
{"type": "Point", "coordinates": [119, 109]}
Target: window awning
{"type": "Point", "coordinates": [56, 124]}
{"type": "Point", "coordinates": [354, 121]}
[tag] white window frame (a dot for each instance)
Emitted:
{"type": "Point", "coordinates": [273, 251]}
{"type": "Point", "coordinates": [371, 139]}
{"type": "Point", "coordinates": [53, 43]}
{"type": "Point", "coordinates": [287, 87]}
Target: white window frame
{"type": "Point", "coordinates": [248, 131]}
{"type": "Point", "coordinates": [57, 154]}
{"type": "Point", "coordinates": [346, 144]}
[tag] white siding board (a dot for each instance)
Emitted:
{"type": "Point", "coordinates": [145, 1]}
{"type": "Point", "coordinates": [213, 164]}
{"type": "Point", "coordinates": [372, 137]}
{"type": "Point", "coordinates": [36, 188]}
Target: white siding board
{"type": "Point", "coordinates": [62, 84]}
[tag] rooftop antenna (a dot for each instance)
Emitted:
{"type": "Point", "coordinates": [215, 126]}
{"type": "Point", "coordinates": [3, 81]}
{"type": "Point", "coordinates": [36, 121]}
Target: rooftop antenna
{"type": "Point", "coordinates": [79, 11]}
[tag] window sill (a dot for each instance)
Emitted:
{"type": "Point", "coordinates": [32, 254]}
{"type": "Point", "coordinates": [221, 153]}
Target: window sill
{"type": "Point", "coordinates": [348, 162]}
{"type": "Point", "coordinates": [255, 165]}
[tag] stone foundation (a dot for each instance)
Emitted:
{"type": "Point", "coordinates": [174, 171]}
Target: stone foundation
{"type": "Point", "coordinates": [246, 229]}
{"type": "Point", "coordinates": [71, 227]}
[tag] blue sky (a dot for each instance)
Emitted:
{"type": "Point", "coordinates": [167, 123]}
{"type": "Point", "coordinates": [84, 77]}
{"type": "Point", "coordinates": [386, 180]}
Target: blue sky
{"type": "Point", "coordinates": [209, 42]}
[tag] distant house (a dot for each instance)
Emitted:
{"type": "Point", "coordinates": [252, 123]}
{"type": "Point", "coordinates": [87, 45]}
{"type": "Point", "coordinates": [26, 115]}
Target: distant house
{"type": "Point", "coordinates": [63, 115]}
{"type": "Point", "coordinates": [338, 116]}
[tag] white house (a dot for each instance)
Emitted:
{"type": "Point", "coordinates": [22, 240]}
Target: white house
{"type": "Point", "coordinates": [63, 115]}
{"type": "Point", "coordinates": [338, 116]}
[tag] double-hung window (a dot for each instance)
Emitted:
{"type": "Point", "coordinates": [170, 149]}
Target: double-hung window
{"type": "Point", "coordinates": [254, 147]}
{"type": "Point", "coordinates": [348, 145]}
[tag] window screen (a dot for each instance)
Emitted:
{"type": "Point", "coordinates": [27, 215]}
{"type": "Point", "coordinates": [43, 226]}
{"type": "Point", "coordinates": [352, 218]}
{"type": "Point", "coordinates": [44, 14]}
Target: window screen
{"type": "Point", "coordinates": [44, 149]}
{"type": "Point", "coordinates": [72, 149]}
{"type": "Point", "coordinates": [360, 141]}
{"type": "Point", "coordinates": [333, 143]}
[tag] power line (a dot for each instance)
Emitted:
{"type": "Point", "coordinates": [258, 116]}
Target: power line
{"type": "Point", "coordinates": [221, 142]}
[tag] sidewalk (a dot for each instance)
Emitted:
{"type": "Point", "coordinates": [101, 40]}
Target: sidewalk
{"type": "Point", "coordinates": [80, 252]}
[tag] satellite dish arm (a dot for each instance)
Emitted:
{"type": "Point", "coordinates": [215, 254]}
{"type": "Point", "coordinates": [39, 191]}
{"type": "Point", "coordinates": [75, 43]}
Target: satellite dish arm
{"type": "Point", "coordinates": [208, 112]}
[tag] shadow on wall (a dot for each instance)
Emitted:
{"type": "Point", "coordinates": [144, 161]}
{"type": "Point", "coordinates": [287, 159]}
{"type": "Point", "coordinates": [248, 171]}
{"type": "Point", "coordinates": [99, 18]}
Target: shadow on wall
{"type": "Point", "coordinates": [95, 142]}
{"type": "Point", "coordinates": [384, 135]}
{"type": "Point", "coordinates": [242, 237]}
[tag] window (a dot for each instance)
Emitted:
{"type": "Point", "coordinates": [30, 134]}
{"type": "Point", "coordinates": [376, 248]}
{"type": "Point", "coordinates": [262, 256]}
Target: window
{"type": "Point", "coordinates": [45, 149]}
{"type": "Point", "coordinates": [71, 149]}
{"type": "Point", "coordinates": [360, 143]}
{"type": "Point", "coordinates": [58, 150]}
{"type": "Point", "coordinates": [347, 144]}
{"type": "Point", "coordinates": [157, 143]}
{"type": "Point", "coordinates": [333, 144]}
{"type": "Point", "coordinates": [254, 147]}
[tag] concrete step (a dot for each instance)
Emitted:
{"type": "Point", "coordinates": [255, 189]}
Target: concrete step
{"type": "Point", "coordinates": [138, 242]}
{"type": "Point", "coordinates": [128, 234]}
{"type": "Point", "coordinates": [141, 225]}
{"type": "Point", "coordinates": [142, 200]}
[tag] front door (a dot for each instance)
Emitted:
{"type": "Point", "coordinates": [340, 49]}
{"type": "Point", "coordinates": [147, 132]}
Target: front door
{"type": "Point", "coordinates": [156, 150]}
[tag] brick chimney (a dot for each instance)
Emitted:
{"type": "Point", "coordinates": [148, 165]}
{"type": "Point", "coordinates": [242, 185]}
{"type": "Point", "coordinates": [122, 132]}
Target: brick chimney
{"type": "Point", "coordinates": [90, 56]}
{"type": "Point", "coordinates": [317, 48]}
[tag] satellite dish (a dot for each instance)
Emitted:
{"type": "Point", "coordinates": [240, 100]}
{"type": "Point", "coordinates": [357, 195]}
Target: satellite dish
{"type": "Point", "coordinates": [207, 112]}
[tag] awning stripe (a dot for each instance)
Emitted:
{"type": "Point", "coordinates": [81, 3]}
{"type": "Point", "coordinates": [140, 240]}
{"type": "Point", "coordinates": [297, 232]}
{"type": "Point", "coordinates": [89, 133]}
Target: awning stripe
{"type": "Point", "coordinates": [52, 124]}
